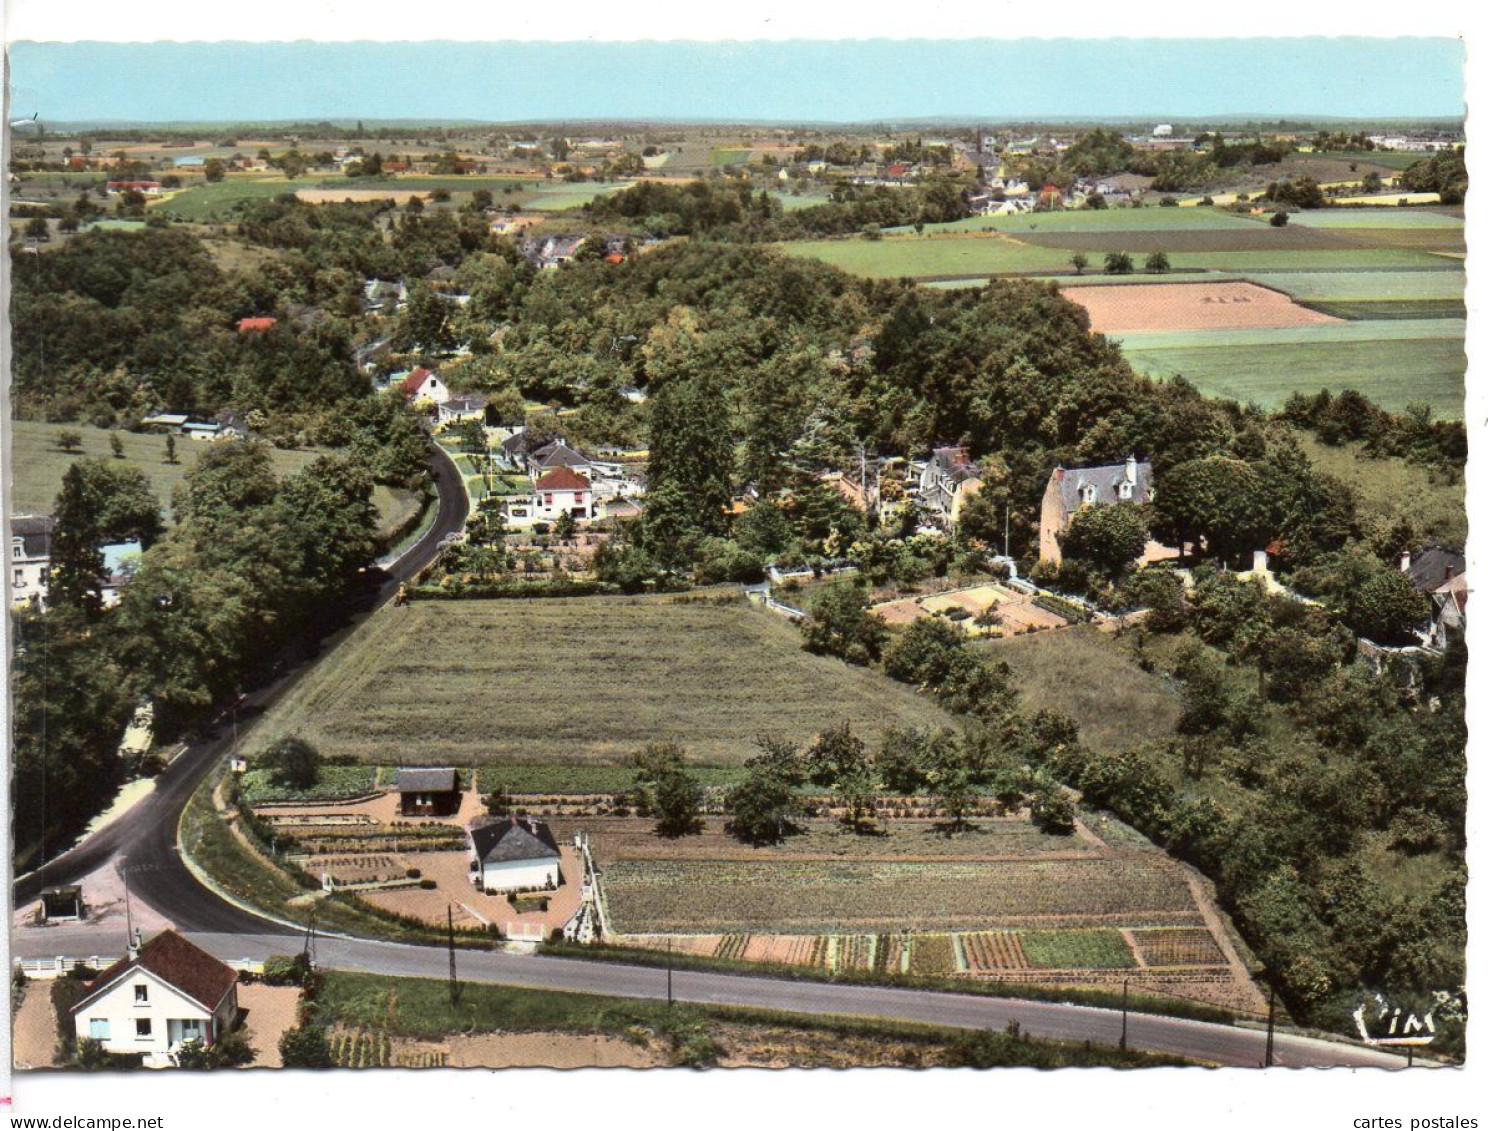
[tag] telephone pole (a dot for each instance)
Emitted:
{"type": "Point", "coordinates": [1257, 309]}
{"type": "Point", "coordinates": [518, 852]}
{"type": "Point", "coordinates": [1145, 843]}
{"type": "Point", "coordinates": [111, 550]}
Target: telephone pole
{"type": "Point", "coordinates": [669, 973]}
{"type": "Point", "coordinates": [454, 977]}
{"type": "Point", "coordinates": [1124, 983]}
{"type": "Point", "coordinates": [1271, 1030]}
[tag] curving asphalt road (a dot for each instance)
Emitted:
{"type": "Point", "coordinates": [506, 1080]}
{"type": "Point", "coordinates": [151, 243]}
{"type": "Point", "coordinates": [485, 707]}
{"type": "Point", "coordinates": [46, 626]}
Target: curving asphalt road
{"type": "Point", "coordinates": [145, 837]}
{"type": "Point", "coordinates": [145, 840]}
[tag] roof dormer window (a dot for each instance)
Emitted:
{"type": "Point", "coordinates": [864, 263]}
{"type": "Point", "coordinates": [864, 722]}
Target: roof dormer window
{"type": "Point", "coordinates": [1087, 493]}
{"type": "Point", "coordinates": [1125, 490]}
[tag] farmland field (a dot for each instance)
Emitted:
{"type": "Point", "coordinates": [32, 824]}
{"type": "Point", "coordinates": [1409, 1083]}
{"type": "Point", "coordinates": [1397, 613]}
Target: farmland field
{"type": "Point", "coordinates": [577, 681]}
{"type": "Point", "coordinates": [911, 256]}
{"type": "Point", "coordinates": [38, 466]}
{"type": "Point", "coordinates": [1189, 306]}
{"type": "Point", "coordinates": [561, 196]}
{"type": "Point", "coordinates": [724, 155]}
{"type": "Point", "coordinates": [216, 202]}
{"type": "Point", "coordinates": [1102, 220]}
{"type": "Point", "coordinates": [1394, 363]}
{"type": "Point", "coordinates": [1069, 949]}
{"type": "Point", "coordinates": [1124, 707]}
{"type": "Point", "coordinates": [788, 896]}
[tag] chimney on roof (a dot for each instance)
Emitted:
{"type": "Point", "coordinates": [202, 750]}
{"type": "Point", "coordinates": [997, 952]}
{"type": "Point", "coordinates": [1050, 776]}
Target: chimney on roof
{"type": "Point", "coordinates": [1131, 469]}
{"type": "Point", "coordinates": [1405, 561]}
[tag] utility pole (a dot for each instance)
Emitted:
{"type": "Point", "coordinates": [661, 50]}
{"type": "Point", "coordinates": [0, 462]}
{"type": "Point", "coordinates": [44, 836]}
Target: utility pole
{"type": "Point", "coordinates": [1271, 1031]}
{"type": "Point", "coordinates": [1006, 528]}
{"type": "Point", "coordinates": [669, 973]}
{"type": "Point", "coordinates": [454, 977]}
{"type": "Point", "coordinates": [1124, 983]}
{"type": "Point", "coordinates": [128, 913]}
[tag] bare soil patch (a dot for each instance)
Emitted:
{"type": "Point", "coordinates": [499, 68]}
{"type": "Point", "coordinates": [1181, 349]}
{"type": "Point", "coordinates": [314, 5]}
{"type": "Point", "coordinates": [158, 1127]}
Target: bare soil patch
{"type": "Point", "coordinates": [358, 196]}
{"type": "Point", "coordinates": [270, 1014]}
{"type": "Point", "coordinates": [1190, 306]}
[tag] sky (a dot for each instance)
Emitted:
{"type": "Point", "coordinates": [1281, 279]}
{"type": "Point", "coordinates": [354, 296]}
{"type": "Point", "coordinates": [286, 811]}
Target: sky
{"type": "Point", "coordinates": [801, 80]}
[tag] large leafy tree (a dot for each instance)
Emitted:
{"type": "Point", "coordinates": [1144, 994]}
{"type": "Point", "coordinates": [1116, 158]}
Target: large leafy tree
{"type": "Point", "coordinates": [841, 624]}
{"type": "Point", "coordinates": [1217, 502]}
{"type": "Point", "coordinates": [1108, 538]}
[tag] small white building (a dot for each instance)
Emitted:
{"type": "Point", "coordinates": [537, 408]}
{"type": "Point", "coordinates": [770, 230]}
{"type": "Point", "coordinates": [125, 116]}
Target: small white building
{"type": "Point", "coordinates": [513, 854]}
{"type": "Point", "coordinates": [561, 492]}
{"type": "Point", "coordinates": [157, 998]}
{"type": "Point", "coordinates": [464, 406]}
{"type": "Point", "coordinates": [30, 558]}
{"type": "Point", "coordinates": [424, 385]}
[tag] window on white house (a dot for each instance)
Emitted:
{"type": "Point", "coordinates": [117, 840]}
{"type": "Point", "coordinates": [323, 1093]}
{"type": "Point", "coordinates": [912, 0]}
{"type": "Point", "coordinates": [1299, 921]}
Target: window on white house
{"type": "Point", "coordinates": [191, 1029]}
{"type": "Point", "coordinates": [19, 580]}
{"type": "Point", "coordinates": [1126, 490]}
{"type": "Point", "coordinates": [143, 1029]}
{"type": "Point", "coordinates": [141, 995]}
{"type": "Point", "coordinates": [98, 1028]}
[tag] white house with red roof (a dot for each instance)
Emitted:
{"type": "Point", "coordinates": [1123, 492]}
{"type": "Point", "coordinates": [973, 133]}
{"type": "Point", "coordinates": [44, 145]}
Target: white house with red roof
{"type": "Point", "coordinates": [157, 998]}
{"type": "Point", "coordinates": [559, 492]}
{"type": "Point", "coordinates": [424, 385]}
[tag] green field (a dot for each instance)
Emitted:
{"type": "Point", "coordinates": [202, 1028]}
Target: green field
{"type": "Point", "coordinates": [1100, 220]}
{"type": "Point", "coordinates": [792, 203]}
{"type": "Point", "coordinates": [215, 202]}
{"type": "Point", "coordinates": [1391, 371]}
{"type": "Point", "coordinates": [577, 681]}
{"type": "Point", "coordinates": [560, 196]}
{"type": "Point", "coordinates": [993, 254]}
{"type": "Point", "coordinates": [915, 257]}
{"type": "Point", "coordinates": [730, 155]}
{"type": "Point", "coordinates": [206, 202]}
{"type": "Point", "coordinates": [1374, 217]}
{"type": "Point", "coordinates": [1124, 708]}
{"type": "Point", "coordinates": [38, 466]}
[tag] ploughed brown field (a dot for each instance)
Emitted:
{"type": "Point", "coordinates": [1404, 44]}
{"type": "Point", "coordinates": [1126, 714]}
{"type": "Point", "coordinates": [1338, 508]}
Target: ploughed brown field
{"type": "Point", "coordinates": [1190, 306]}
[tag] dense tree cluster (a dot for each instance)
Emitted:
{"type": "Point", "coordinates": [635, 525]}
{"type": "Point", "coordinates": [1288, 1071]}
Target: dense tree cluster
{"type": "Point", "coordinates": [1444, 173]}
{"type": "Point", "coordinates": [252, 562]}
{"type": "Point", "coordinates": [735, 211]}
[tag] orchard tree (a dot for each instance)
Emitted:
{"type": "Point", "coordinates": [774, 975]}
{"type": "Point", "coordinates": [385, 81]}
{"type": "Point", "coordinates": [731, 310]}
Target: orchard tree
{"type": "Point", "coordinates": [1079, 261]}
{"type": "Point", "coordinates": [841, 624]}
{"type": "Point", "coordinates": [69, 440]}
{"type": "Point", "coordinates": [1119, 263]}
{"type": "Point", "coordinates": [764, 807]}
{"type": "Point", "coordinates": [836, 755]}
{"type": "Point", "coordinates": [292, 762]}
{"type": "Point", "coordinates": [1156, 263]}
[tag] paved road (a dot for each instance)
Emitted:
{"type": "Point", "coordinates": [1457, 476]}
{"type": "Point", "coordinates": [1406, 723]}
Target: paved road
{"type": "Point", "coordinates": [145, 837]}
{"type": "Point", "coordinates": [1204, 1041]}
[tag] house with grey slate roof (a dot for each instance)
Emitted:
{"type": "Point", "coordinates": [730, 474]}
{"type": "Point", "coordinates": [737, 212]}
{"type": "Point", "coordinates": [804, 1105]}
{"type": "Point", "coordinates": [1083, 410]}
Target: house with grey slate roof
{"type": "Point", "coordinates": [513, 854]}
{"type": "Point", "coordinates": [1072, 489]}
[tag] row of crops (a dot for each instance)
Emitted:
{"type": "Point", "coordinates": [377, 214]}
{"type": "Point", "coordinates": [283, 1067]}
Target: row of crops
{"type": "Point", "coordinates": [972, 952]}
{"type": "Point", "coordinates": [372, 1048]}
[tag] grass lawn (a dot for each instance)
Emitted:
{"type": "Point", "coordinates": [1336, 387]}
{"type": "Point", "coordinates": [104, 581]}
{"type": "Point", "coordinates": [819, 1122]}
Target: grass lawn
{"type": "Point", "coordinates": [583, 681]}
{"type": "Point", "coordinates": [1393, 488]}
{"type": "Point", "coordinates": [1392, 370]}
{"type": "Point", "coordinates": [1062, 950]}
{"type": "Point", "coordinates": [38, 466]}
{"type": "Point", "coordinates": [1121, 706]}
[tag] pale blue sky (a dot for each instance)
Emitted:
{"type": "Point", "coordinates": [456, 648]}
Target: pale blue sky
{"type": "Point", "coordinates": [763, 81]}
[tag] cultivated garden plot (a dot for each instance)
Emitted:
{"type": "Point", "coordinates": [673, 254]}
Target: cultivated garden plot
{"type": "Point", "coordinates": [794, 896]}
